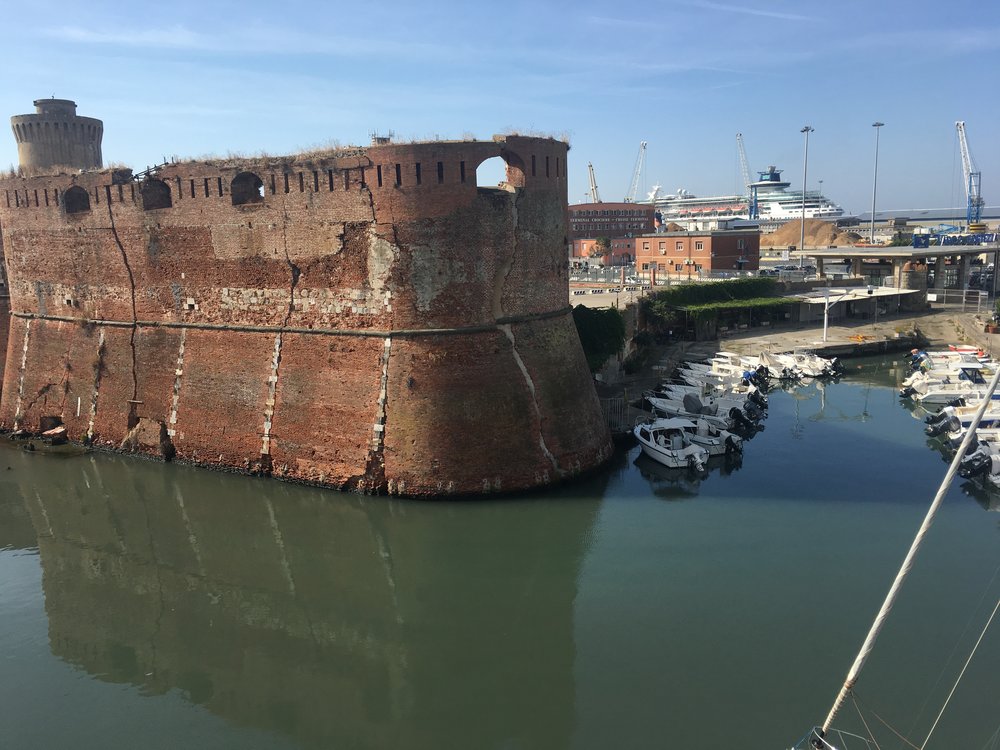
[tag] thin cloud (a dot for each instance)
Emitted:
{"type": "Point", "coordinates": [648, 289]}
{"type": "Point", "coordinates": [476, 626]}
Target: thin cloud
{"type": "Point", "coordinates": [273, 41]}
{"type": "Point", "coordinates": [748, 11]}
{"type": "Point", "coordinates": [630, 23]}
{"type": "Point", "coordinates": [176, 37]}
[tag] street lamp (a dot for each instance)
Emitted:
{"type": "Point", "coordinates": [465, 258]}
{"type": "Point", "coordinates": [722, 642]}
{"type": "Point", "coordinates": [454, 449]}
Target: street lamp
{"type": "Point", "coordinates": [805, 166]}
{"type": "Point", "coordinates": [871, 233]}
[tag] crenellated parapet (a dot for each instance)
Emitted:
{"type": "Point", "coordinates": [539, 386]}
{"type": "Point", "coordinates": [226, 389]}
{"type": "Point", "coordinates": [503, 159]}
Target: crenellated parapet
{"type": "Point", "coordinates": [346, 318]}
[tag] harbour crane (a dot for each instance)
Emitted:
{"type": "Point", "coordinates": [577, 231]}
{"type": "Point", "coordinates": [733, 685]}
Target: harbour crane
{"type": "Point", "coordinates": [639, 161]}
{"type": "Point", "coordinates": [751, 191]}
{"type": "Point", "coordinates": [595, 197]}
{"type": "Point", "coordinates": [973, 178]}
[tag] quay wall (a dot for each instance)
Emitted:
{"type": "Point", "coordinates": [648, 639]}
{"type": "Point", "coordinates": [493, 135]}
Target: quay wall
{"type": "Point", "coordinates": [368, 319]}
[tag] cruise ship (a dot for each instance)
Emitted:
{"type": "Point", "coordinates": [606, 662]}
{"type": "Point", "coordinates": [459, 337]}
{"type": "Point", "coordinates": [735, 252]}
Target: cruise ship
{"type": "Point", "coordinates": [775, 203]}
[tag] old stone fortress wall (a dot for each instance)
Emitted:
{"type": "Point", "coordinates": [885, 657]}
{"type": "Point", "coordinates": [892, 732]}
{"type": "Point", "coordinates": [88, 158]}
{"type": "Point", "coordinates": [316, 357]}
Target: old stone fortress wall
{"type": "Point", "coordinates": [366, 318]}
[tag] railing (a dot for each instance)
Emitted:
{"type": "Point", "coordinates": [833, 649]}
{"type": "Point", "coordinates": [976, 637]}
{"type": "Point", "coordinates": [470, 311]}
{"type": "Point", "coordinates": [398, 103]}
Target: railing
{"type": "Point", "coordinates": [966, 300]}
{"type": "Point", "coordinates": [616, 414]}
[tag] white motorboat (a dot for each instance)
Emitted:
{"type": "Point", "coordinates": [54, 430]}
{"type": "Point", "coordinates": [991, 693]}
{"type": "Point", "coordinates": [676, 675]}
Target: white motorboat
{"type": "Point", "coordinates": [667, 442]}
{"type": "Point", "coordinates": [921, 381]}
{"type": "Point", "coordinates": [754, 403]}
{"type": "Point", "coordinates": [952, 392]}
{"type": "Point", "coordinates": [733, 420]}
{"type": "Point", "coordinates": [704, 433]}
{"type": "Point", "coordinates": [810, 365]}
{"type": "Point", "coordinates": [983, 434]}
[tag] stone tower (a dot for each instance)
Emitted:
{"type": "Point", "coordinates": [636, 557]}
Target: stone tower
{"type": "Point", "coordinates": [56, 137]}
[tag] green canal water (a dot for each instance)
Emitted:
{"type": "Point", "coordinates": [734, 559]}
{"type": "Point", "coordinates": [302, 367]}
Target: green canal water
{"type": "Point", "coordinates": [145, 605]}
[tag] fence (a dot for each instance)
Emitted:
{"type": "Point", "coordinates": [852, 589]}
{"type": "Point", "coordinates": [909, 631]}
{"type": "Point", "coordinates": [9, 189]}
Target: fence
{"type": "Point", "coordinates": [616, 414]}
{"type": "Point", "coordinates": [966, 300]}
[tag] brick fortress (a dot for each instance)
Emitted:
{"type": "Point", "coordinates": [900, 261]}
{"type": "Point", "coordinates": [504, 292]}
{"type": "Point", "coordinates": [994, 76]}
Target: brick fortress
{"type": "Point", "coordinates": [367, 319]}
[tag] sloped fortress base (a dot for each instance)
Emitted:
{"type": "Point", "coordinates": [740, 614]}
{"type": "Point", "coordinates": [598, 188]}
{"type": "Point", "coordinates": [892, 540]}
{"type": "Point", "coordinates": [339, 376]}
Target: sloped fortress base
{"type": "Point", "coordinates": [367, 319]}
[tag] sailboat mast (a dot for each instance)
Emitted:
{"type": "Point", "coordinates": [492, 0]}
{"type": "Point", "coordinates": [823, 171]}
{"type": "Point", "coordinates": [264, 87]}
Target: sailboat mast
{"type": "Point", "coordinates": [904, 570]}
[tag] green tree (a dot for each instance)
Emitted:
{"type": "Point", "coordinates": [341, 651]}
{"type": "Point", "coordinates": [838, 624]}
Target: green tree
{"type": "Point", "coordinates": [601, 248]}
{"type": "Point", "coordinates": [602, 334]}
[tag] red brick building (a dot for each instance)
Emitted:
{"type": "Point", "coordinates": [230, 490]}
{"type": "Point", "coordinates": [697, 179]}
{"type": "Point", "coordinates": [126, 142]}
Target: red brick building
{"type": "Point", "coordinates": [592, 220]}
{"type": "Point", "coordinates": [690, 254]}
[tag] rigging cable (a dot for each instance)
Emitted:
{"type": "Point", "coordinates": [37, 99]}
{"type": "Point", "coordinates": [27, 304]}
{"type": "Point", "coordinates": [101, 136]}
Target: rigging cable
{"type": "Point", "coordinates": [857, 699]}
{"type": "Point", "coordinates": [960, 675]}
{"type": "Point", "coordinates": [890, 598]}
{"type": "Point", "coordinates": [871, 736]}
{"type": "Point", "coordinates": [954, 649]}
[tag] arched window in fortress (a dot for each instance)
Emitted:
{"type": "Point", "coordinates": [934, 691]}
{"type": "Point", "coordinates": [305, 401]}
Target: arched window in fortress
{"type": "Point", "coordinates": [155, 194]}
{"type": "Point", "coordinates": [505, 171]}
{"type": "Point", "coordinates": [491, 173]}
{"type": "Point", "coordinates": [247, 188]}
{"type": "Point", "coordinates": [76, 200]}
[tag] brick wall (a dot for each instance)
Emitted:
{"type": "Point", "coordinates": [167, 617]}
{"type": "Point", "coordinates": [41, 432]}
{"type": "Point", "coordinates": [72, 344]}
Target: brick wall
{"type": "Point", "coordinates": [369, 319]}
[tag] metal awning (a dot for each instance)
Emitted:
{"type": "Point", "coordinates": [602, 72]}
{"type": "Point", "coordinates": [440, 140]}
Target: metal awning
{"type": "Point", "coordinates": [901, 253]}
{"type": "Point", "coordinates": [819, 297]}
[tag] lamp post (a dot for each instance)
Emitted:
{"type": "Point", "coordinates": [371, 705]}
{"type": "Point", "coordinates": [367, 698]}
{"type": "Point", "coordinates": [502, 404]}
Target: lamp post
{"type": "Point", "coordinates": [805, 167]}
{"type": "Point", "coordinates": [826, 311]}
{"type": "Point", "coordinates": [871, 232]}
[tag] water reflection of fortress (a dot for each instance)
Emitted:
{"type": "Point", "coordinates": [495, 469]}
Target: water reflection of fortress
{"type": "Point", "coordinates": [340, 624]}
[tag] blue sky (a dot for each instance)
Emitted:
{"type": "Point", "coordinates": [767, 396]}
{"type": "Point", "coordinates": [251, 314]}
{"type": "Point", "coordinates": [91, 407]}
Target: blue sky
{"type": "Point", "coordinates": [193, 79]}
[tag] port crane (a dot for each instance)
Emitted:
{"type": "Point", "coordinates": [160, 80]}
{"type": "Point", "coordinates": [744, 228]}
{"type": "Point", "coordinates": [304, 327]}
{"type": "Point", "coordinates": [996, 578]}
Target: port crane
{"type": "Point", "coordinates": [973, 178]}
{"type": "Point", "coordinates": [747, 181]}
{"type": "Point", "coordinates": [639, 161]}
{"type": "Point", "coordinates": [595, 197]}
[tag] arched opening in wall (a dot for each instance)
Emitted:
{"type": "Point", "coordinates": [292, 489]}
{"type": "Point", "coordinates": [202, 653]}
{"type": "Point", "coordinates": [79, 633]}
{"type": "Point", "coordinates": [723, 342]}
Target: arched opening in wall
{"type": "Point", "coordinates": [247, 188]}
{"type": "Point", "coordinates": [492, 174]}
{"type": "Point", "coordinates": [155, 194]}
{"type": "Point", "coordinates": [76, 199]}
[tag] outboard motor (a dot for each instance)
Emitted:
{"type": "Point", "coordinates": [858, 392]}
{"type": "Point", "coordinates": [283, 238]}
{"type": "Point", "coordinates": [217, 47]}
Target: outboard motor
{"type": "Point", "coordinates": [907, 392]}
{"type": "Point", "coordinates": [695, 463]}
{"type": "Point", "coordinates": [942, 413]}
{"type": "Point", "coordinates": [950, 423]}
{"type": "Point", "coordinates": [976, 463]}
{"type": "Point", "coordinates": [742, 424]}
{"type": "Point", "coordinates": [734, 444]}
{"type": "Point", "coordinates": [758, 398]}
{"type": "Point", "coordinates": [753, 412]}
{"type": "Point", "coordinates": [957, 402]}
{"type": "Point", "coordinates": [837, 366]}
